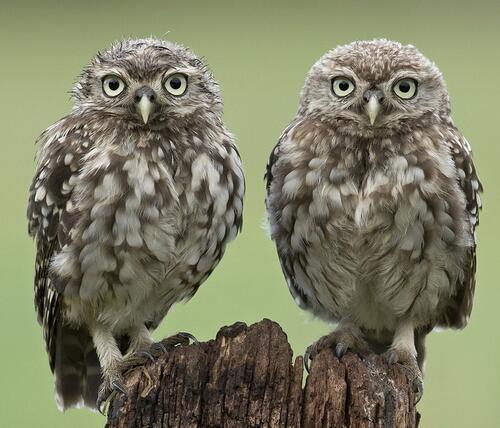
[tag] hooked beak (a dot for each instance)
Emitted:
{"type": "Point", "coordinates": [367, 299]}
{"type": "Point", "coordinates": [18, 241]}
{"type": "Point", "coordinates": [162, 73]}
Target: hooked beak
{"type": "Point", "coordinates": [145, 99]}
{"type": "Point", "coordinates": [372, 108]}
{"type": "Point", "coordinates": [373, 99]}
{"type": "Point", "coordinates": [145, 107]}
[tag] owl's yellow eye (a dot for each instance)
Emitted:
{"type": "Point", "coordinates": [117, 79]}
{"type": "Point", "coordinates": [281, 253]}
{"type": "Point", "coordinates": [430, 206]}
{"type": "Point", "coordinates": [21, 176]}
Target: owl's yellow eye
{"type": "Point", "coordinates": [176, 84]}
{"type": "Point", "coordinates": [342, 86]}
{"type": "Point", "coordinates": [113, 86]}
{"type": "Point", "coordinates": [405, 88]}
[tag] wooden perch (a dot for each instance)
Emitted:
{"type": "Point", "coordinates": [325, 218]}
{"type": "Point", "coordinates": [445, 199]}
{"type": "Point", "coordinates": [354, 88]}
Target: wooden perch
{"type": "Point", "coordinates": [246, 378]}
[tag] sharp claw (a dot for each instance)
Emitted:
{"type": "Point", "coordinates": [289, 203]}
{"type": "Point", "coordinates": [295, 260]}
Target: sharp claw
{"type": "Point", "coordinates": [418, 389]}
{"type": "Point", "coordinates": [180, 338]}
{"type": "Point", "coordinates": [340, 350]}
{"type": "Point", "coordinates": [307, 359]}
{"type": "Point", "coordinates": [391, 357]}
{"type": "Point", "coordinates": [147, 355]}
{"type": "Point", "coordinates": [188, 336]}
{"type": "Point", "coordinates": [104, 400]}
{"type": "Point", "coordinates": [100, 407]}
{"type": "Point", "coordinates": [161, 346]}
{"type": "Point", "coordinates": [101, 402]}
{"type": "Point", "coordinates": [118, 386]}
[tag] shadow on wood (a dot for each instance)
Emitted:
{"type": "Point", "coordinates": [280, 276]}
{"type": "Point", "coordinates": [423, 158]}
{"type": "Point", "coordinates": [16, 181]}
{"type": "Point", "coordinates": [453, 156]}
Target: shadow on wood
{"type": "Point", "coordinates": [246, 378]}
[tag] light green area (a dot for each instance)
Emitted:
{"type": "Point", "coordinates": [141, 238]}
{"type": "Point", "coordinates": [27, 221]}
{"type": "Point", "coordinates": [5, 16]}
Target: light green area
{"type": "Point", "coordinates": [260, 52]}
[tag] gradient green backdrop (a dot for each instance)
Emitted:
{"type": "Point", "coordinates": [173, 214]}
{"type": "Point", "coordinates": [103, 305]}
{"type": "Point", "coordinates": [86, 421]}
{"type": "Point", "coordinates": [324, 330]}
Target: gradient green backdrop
{"type": "Point", "coordinates": [260, 52]}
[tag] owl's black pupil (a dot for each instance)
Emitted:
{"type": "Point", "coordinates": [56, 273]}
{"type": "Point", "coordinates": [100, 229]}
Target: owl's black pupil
{"type": "Point", "coordinates": [404, 87]}
{"type": "Point", "coordinates": [343, 86]}
{"type": "Point", "coordinates": [114, 85]}
{"type": "Point", "coordinates": [175, 83]}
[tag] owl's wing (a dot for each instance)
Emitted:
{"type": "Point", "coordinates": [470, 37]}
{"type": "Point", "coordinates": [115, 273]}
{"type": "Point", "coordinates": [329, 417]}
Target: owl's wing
{"type": "Point", "coordinates": [458, 312]}
{"type": "Point", "coordinates": [268, 176]}
{"type": "Point", "coordinates": [286, 259]}
{"type": "Point", "coordinates": [61, 148]}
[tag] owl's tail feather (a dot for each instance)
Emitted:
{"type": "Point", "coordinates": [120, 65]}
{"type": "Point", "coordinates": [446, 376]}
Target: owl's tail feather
{"type": "Point", "coordinates": [77, 371]}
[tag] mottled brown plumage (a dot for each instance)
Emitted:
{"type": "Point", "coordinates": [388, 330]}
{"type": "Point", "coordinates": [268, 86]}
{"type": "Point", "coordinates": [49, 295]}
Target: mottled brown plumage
{"type": "Point", "coordinates": [136, 194]}
{"type": "Point", "coordinates": [373, 202]}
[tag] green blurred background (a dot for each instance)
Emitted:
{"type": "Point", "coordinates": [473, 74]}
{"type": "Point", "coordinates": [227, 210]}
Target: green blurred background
{"type": "Point", "coordinates": [260, 52]}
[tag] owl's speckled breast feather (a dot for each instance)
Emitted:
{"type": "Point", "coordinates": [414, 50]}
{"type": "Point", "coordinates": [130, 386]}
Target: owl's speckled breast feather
{"type": "Point", "coordinates": [154, 210]}
{"type": "Point", "coordinates": [368, 226]}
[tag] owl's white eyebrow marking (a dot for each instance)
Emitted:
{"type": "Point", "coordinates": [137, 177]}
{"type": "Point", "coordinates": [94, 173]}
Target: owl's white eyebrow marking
{"type": "Point", "coordinates": [342, 71]}
{"type": "Point", "coordinates": [106, 71]}
{"type": "Point", "coordinates": [404, 74]}
{"type": "Point", "coordinates": [175, 70]}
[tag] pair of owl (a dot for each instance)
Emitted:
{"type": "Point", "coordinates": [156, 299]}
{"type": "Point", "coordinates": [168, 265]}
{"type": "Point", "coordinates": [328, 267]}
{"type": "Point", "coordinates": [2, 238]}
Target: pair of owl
{"type": "Point", "coordinates": [372, 200]}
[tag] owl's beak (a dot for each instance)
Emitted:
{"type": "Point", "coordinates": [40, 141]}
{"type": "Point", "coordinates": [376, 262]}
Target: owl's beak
{"type": "Point", "coordinates": [145, 107]}
{"type": "Point", "coordinates": [372, 109]}
{"type": "Point", "coordinates": [145, 102]}
{"type": "Point", "coordinates": [373, 98]}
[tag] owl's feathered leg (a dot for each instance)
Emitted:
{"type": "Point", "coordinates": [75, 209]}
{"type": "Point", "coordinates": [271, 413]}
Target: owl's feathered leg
{"type": "Point", "coordinates": [140, 338]}
{"type": "Point", "coordinates": [404, 352]}
{"type": "Point", "coordinates": [139, 351]}
{"type": "Point", "coordinates": [110, 359]}
{"type": "Point", "coordinates": [347, 336]}
{"type": "Point", "coordinates": [420, 335]}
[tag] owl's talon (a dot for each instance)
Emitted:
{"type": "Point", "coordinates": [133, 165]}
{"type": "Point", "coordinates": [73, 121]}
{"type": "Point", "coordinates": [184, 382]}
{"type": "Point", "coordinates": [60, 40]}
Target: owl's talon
{"type": "Point", "coordinates": [163, 346]}
{"type": "Point", "coordinates": [341, 350]}
{"type": "Point", "coordinates": [158, 347]}
{"type": "Point", "coordinates": [307, 359]}
{"type": "Point", "coordinates": [188, 336]}
{"type": "Point", "coordinates": [103, 403]}
{"type": "Point", "coordinates": [418, 389]}
{"type": "Point", "coordinates": [391, 357]}
{"type": "Point", "coordinates": [147, 355]}
{"type": "Point", "coordinates": [108, 391]}
{"type": "Point", "coordinates": [179, 339]}
{"type": "Point", "coordinates": [119, 387]}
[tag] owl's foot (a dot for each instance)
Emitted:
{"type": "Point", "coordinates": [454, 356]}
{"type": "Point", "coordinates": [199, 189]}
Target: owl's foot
{"type": "Point", "coordinates": [341, 340]}
{"type": "Point", "coordinates": [110, 387]}
{"type": "Point", "coordinates": [409, 362]}
{"type": "Point", "coordinates": [134, 359]}
{"type": "Point", "coordinates": [113, 379]}
{"type": "Point", "coordinates": [150, 355]}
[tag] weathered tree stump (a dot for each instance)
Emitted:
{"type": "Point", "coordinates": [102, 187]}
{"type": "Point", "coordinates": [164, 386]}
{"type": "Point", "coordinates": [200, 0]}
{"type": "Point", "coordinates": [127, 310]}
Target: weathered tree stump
{"type": "Point", "coordinates": [246, 378]}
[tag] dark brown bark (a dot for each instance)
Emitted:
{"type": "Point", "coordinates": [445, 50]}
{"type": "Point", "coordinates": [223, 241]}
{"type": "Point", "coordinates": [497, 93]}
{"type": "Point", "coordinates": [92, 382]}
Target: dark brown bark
{"type": "Point", "coordinates": [246, 378]}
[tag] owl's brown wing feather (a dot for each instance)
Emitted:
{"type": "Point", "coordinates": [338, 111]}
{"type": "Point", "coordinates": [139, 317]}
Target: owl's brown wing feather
{"type": "Point", "coordinates": [286, 258]}
{"type": "Point", "coordinates": [459, 310]}
{"type": "Point", "coordinates": [268, 176]}
{"type": "Point", "coordinates": [61, 148]}
{"type": "Point", "coordinates": [273, 157]}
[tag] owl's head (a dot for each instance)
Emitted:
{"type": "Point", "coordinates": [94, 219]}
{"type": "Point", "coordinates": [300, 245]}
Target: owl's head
{"type": "Point", "coordinates": [375, 88]}
{"type": "Point", "coordinates": [148, 82]}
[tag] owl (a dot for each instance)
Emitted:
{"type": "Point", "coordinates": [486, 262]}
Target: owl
{"type": "Point", "coordinates": [372, 200]}
{"type": "Point", "coordinates": [136, 193]}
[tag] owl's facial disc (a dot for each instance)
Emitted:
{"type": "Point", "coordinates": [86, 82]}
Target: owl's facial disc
{"type": "Point", "coordinates": [373, 99]}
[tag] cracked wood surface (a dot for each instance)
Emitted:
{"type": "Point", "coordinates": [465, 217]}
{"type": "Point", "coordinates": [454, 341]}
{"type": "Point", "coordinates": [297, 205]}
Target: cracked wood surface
{"type": "Point", "coordinates": [246, 378]}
